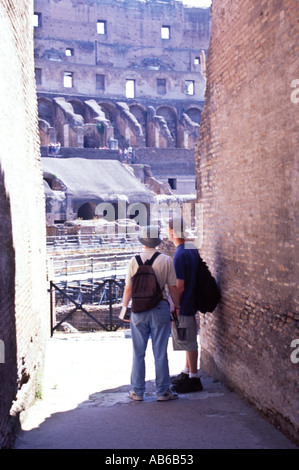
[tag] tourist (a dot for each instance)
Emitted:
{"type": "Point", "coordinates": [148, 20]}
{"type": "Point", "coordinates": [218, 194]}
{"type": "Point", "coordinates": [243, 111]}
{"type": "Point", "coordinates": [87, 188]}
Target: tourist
{"type": "Point", "coordinates": [154, 323]}
{"type": "Point", "coordinates": [184, 335]}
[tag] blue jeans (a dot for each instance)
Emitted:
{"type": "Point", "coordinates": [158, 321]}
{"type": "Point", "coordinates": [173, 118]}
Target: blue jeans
{"type": "Point", "coordinates": [154, 323]}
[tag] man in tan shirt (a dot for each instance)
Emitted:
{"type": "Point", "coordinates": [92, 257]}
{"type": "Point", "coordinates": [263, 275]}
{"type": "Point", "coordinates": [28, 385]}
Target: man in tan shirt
{"type": "Point", "coordinates": [154, 323]}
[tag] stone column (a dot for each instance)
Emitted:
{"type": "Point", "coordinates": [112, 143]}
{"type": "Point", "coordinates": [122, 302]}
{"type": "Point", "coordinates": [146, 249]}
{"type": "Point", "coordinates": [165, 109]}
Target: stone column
{"type": "Point", "coordinates": [66, 135]}
{"type": "Point", "coordinates": [80, 137]}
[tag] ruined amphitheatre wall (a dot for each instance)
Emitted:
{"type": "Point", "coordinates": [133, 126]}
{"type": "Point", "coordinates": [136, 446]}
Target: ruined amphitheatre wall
{"type": "Point", "coordinates": [128, 44]}
{"type": "Point", "coordinates": [98, 48]}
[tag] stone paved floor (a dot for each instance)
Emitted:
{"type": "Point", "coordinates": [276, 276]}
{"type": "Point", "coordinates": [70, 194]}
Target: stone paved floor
{"type": "Point", "coordinates": [85, 405]}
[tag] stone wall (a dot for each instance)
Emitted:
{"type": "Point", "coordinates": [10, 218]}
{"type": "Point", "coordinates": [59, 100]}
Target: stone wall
{"type": "Point", "coordinates": [175, 166]}
{"type": "Point", "coordinates": [24, 319]}
{"type": "Point", "coordinates": [80, 321]}
{"type": "Point", "coordinates": [79, 68]}
{"type": "Point", "coordinates": [129, 47]}
{"type": "Point", "coordinates": [90, 154]}
{"type": "Point", "coordinates": [247, 179]}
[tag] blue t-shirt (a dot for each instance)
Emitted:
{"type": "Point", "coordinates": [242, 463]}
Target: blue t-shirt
{"type": "Point", "coordinates": [186, 263]}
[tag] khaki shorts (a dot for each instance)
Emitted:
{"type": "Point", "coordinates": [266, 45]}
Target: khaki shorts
{"type": "Point", "coordinates": [184, 337]}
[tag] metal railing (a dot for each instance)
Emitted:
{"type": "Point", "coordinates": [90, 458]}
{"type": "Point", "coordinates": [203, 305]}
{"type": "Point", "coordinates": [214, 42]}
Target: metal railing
{"type": "Point", "coordinates": [109, 292]}
{"type": "Point", "coordinates": [89, 267]}
{"type": "Point", "coordinates": [101, 242]}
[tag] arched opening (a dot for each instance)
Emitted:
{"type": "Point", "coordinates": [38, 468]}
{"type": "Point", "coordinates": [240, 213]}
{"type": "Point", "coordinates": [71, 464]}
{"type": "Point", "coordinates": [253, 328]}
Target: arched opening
{"type": "Point", "coordinates": [140, 114]}
{"type": "Point", "coordinates": [111, 112]}
{"type": "Point", "coordinates": [194, 114]}
{"type": "Point", "coordinates": [91, 141]}
{"type": "Point", "coordinates": [46, 111]}
{"type": "Point", "coordinates": [78, 107]}
{"type": "Point", "coordinates": [86, 212]}
{"type": "Point", "coordinates": [171, 119]}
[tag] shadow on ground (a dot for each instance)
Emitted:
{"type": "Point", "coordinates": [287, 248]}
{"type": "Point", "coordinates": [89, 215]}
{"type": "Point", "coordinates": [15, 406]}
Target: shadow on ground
{"type": "Point", "coordinates": [214, 418]}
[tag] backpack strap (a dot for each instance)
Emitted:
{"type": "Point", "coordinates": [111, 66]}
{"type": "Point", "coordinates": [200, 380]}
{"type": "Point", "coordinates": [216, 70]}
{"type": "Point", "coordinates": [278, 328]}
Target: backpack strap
{"type": "Point", "coordinates": [150, 261]}
{"type": "Point", "coordinates": [139, 260]}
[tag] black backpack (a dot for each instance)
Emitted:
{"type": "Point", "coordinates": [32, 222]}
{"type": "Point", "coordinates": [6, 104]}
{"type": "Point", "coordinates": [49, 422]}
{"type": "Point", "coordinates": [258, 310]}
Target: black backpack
{"type": "Point", "coordinates": [207, 293]}
{"type": "Point", "coordinates": [146, 291]}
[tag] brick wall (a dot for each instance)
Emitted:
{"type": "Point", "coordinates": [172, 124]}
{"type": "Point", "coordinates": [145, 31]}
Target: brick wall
{"type": "Point", "coordinates": [24, 316]}
{"type": "Point", "coordinates": [246, 170]}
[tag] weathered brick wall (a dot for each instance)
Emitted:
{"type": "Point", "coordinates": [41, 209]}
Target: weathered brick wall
{"type": "Point", "coordinates": [246, 169]}
{"type": "Point", "coordinates": [23, 295]}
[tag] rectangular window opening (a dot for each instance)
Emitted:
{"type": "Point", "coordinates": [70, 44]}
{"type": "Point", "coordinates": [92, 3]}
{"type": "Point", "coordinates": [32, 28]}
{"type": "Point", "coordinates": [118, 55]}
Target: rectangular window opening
{"type": "Point", "coordinates": [69, 52]}
{"type": "Point", "coordinates": [165, 32]}
{"type": "Point", "coordinates": [38, 76]}
{"type": "Point", "coordinates": [161, 86]}
{"type": "Point", "coordinates": [68, 80]}
{"type": "Point", "coordinates": [37, 20]}
{"type": "Point", "coordinates": [189, 87]}
{"type": "Point", "coordinates": [130, 88]}
{"type": "Point", "coordinates": [100, 82]}
{"type": "Point", "coordinates": [102, 27]}
{"type": "Point", "coordinates": [172, 183]}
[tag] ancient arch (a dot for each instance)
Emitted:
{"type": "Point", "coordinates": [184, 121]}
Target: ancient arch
{"type": "Point", "coordinates": [86, 211]}
{"type": "Point", "coordinates": [46, 110]}
{"type": "Point", "coordinates": [46, 119]}
{"type": "Point", "coordinates": [170, 116]}
{"type": "Point", "coordinates": [110, 111]}
{"type": "Point", "coordinates": [140, 114]}
{"type": "Point", "coordinates": [67, 123]}
{"type": "Point", "coordinates": [78, 107]}
{"type": "Point", "coordinates": [194, 114]}
{"type": "Point", "coordinates": [112, 114]}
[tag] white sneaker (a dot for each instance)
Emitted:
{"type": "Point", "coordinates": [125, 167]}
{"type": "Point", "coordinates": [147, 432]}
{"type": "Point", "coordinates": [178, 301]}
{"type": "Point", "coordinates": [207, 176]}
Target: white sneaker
{"type": "Point", "coordinates": [135, 397]}
{"type": "Point", "coordinates": [168, 395]}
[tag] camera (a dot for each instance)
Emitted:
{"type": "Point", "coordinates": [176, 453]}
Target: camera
{"type": "Point", "coordinates": [125, 313]}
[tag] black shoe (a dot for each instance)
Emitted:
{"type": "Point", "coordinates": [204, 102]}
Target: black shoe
{"type": "Point", "coordinates": [188, 386]}
{"type": "Point", "coordinates": [179, 378]}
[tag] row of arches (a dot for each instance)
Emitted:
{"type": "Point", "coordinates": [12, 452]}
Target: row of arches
{"type": "Point", "coordinates": [130, 124]}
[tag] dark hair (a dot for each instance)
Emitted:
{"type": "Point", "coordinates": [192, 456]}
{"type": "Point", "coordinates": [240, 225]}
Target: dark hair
{"type": "Point", "coordinates": [178, 225]}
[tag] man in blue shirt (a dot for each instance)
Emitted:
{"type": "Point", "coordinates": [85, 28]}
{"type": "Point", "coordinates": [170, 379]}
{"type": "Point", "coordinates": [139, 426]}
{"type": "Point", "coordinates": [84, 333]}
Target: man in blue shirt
{"type": "Point", "coordinates": [184, 335]}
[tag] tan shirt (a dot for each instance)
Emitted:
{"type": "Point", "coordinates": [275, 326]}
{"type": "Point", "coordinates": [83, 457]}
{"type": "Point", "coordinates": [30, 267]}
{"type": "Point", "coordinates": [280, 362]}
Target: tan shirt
{"type": "Point", "coordinates": [163, 267]}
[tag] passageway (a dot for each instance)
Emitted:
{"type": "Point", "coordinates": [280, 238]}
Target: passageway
{"type": "Point", "coordinates": [85, 405]}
